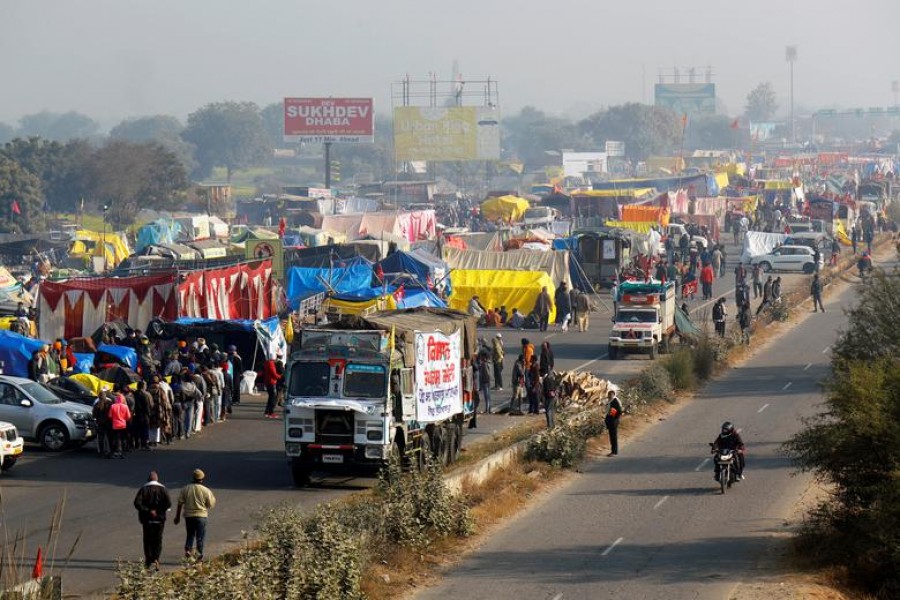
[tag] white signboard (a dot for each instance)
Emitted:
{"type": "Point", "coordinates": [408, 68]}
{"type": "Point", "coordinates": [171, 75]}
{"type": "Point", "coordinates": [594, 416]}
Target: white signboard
{"type": "Point", "coordinates": [615, 148]}
{"type": "Point", "coordinates": [438, 383]}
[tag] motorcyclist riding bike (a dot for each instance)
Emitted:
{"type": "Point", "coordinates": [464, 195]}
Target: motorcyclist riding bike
{"type": "Point", "coordinates": [729, 439]}
{"type": "Point", "coordinates": [864, 264]}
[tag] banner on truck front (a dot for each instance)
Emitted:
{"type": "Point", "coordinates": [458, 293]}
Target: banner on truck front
{"type": "Point", "coordinates": [438, 382]}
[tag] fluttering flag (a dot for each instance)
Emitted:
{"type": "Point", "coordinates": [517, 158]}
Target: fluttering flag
{"type": "Point", "coordinates": [16, 208]}
{"type": "Point", "coordinates": [684, 121]}
{"type": "Point", "coordinates": [38, 571]}
{"type": "Point", "coordinates": [736, 124]}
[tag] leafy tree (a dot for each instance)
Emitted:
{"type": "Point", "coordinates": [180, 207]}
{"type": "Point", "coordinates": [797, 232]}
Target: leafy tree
{"type": "Point", "coordinates": [61, 168]}
{"type": "Point", "coordinates": [129, 176]}
{"type": "Point", "coordinates": [375, 158]}
{"type": "Point", "coordinates": [855, 445]}
{"type": "Point", "coordinates": [761, 104]}
{"type": "Point", "coordinates": [58, 126]}
{"type": "Point", "coordinates": [163, 129]}
{"type": "Point", "coordinates": [712, 132]}
{"type": "Point", "coordinates": [22, 189]}
{"type": "Point", "coordinates": [646, 130]}
{"type": "Point", "coordinates": [273, 122]}
{"type": "Point", "coordinates": [7, 133]}
{"type": "Point", "coordinates": [529, 134]}
{"type": "Point", "coordinates": [228, 134]}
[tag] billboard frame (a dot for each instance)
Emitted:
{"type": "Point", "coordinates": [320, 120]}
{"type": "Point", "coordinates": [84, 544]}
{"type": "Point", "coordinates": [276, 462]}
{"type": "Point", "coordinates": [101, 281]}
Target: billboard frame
{"type": "Point", "coordinates": [329, 120]}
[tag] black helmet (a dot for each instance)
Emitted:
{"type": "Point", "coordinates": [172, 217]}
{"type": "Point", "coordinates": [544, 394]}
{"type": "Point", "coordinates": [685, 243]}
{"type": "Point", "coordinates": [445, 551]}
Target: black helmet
{"type": "Point", "coordinates": [727, 428]}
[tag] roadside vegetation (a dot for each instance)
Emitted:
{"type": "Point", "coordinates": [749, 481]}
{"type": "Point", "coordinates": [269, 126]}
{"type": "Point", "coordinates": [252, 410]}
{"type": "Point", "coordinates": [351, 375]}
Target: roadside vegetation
{"type": "Point", "coordinates": [854, 447]}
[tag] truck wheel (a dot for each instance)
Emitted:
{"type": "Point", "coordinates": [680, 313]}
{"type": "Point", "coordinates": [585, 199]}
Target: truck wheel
{"type": "Point", "coordinates": [654, 350]}
{"type": "Point", "coordinates": [666, 341]}
{"type": "Point", "coordinates": [612, 353]}
{"type": "Point", "coordinates": [423, 448]}
{"type": "Point", "coordinates": [300, 474]}
{"type": "Point", "coordinates": [439, 445]}
{"type": "Point", "coordinates": [455, 442]}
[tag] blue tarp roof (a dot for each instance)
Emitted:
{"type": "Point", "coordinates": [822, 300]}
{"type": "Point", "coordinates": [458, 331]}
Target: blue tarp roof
{"type": "Point", "coordinates": [16, 351]}
{"type": "Point", "coordinates": [703, 185]}
{"type": "Point", "coordinates": [161, 231]}
{"type": "Point", "coordinates": [83, 362]}
{"type": "Point", "coordinates": [304, 281]}
{"type": "Point", "coordinates": [124, 354]}
{"type": "Point", "coordinates": [413, 297]}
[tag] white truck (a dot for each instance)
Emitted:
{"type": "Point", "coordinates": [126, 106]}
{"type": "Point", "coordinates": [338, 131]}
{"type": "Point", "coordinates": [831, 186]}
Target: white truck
{"type": "Point", "coordinates": [644, 320]}
{"type": "Point", "coordinates": [371, 387]}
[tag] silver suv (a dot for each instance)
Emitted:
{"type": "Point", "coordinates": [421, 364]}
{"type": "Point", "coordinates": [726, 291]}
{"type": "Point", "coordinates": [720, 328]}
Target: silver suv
{"type": "Point", "coordinates": [41, 416]}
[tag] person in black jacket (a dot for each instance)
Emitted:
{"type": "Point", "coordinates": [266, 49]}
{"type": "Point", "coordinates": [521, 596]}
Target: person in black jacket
{"type": "Point", "coordinates": [718, 314]}
{"type": "Point", "coordinates": [729, 439]}
{"type": "Point", "coordinates": [237, 371]}
{"type": "Point", "coordinates": [614, 412]}
{"type": "Point", "coordinates": [152, 502]}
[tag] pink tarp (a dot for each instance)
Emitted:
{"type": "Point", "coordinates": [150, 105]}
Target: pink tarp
{"type": "Point", "coordinates": [412, 226]}
{"type": "Point", "coordinates": [711, 206]}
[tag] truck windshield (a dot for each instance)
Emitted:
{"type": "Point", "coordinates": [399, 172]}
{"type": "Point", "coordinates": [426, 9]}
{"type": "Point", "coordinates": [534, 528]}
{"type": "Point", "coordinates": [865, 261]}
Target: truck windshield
{"type": "Point", "coordinates": [309, 379]}
{"type": "Point", "coordinates": [635, 316]}
{"type": "Point", "coordinates": [364, 381]}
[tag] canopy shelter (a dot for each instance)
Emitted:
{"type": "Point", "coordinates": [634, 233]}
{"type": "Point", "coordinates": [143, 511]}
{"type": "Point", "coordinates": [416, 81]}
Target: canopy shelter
{"type": "Point", "coordinates": [512, 289]}
{"type": "Point", "coordinates": [420, 265]}
{"type": "Point", "coordinates": [160, 231]}
{"type": "Point", "coordinates": [15, 352]}
{"type": "Point", "coordinates": [250, 337]}
{"type": "Point", "coordinates": [352, 276]}
{"type": "Point", "coordinates": [119, 329]}
{"type": "Point", "coordinates": [505, 208]}
{"type": "Point", "coordinates": [554, 264]}
{"type": "Point", "coordinates": [330, 255]}
{"type": "Point", "coordinates": [118, 376]}
{"type": "Point", "coordinates": [124, 355]}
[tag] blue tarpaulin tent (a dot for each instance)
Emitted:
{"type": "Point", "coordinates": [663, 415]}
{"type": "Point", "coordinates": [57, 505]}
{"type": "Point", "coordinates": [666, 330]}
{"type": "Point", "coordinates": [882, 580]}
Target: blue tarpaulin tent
{"type": "Point", "coordinates": [355, 275]}
{"type": "Point", "coordinates": [123, 354]}
{"type": "Point", "coordinates": [417, 263]}
{"type": "Point", "coordinates": [161, 231]}
{"type": "Point", "coordinates": [16, 351]}
{"type": "Point", "coordinates": [83, 362]}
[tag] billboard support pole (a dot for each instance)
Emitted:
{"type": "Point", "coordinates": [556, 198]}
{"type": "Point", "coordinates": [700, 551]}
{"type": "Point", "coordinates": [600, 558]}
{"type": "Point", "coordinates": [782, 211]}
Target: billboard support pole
{"type": "Point", "coordinates": [328, 165]}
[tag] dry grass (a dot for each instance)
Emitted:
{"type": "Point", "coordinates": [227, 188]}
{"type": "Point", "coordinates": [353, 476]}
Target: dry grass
{"type": "Point", "coordinates": [501, 440]}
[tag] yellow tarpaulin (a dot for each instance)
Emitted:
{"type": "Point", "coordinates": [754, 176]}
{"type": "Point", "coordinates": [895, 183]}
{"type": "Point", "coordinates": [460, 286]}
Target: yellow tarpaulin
{"type": "Point", "coordinates": [841, 234]}
{"type": "Point", "coordinates": [506, 208]}
{"type": "Point", "coordinates": [512, 289]}
{"type": "Point", "coordinates": [91, 243]}
{"type": "Point", "coordinates": [347, 307]}
{"type": "Point", "coordinates": [91, 382]}
{"type": "Point", "coordinates": [638, 226]}
{"type": "Point", "coordinates": [722, 180]}
{"type": "Point", "coordinates": [779, 184]}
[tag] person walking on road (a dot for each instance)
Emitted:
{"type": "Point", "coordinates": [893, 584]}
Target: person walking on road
{"type": "Point", "coordinates": [767, 296]}
{"type": "Point", "coordinates": [152, 503]}
{"type": "Point", "coordinates": [546, 361]}
{"type": "Point", "coordinates": [195, 501]}
{"type": "Point", "coordinates": [562, 300]}
{"type": "Point", "coordinates": [518, 386]}
{"type": "Point", "coordinates": [815, 290]}
{"type": "Point", "coordinates": [744, 320]}
{"type": "Point", "coordinates": [614, 411]}
{"type": "Point", "coordinates": [533, 387]}
{"type": "Point", "coordinates": [707, 276]}
{"type": "Point", "coordinates": [719, 314]}
{"type": "Point", "coordinates": [583, 311]}
{"type": "Point", "coordinates": [497, 360]}
{"type": "Point", "coordinates": [756, 276]}
{"type": "Point", "coordinates": [119, 418]}
{"type": "Point", "coordinates": [551, 391]}
{"type": "Point", "coordinates": [271, 379]}
{"type": "Point", "coordinates": [484, 380]}
{"type": "Point", "coordinates": [542, 308]}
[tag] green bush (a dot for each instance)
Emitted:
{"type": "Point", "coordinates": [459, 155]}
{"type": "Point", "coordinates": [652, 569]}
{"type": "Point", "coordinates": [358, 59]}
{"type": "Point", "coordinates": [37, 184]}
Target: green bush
{"type": "Point", "coordinates": [680, 367]}
{"type": "Point", "coordinates": [709, 351]}
{"type": "Point", "coordinates": [564, 446]}
{"type": "Point", "coordinates": [652, 384]}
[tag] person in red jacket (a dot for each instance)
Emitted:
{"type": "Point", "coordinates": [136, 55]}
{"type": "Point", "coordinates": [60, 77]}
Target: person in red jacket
{"type": "Point", "coordinates": [271, 378]}
{"type": "Point", "coordinates": [119, 417]}
{"type": "Point", "coordinates": [706, 279]}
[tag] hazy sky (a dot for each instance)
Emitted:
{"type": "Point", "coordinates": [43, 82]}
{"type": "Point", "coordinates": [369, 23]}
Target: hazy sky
{"type": "Point", "coordinates": [116, 58]}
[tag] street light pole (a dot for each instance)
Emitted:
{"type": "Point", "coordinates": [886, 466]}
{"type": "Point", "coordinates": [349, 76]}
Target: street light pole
{"type": "Point", "coordinates": [790, 54]}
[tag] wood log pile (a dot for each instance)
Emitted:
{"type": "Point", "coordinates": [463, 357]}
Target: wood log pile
{"type": "Point", "coordinates": [582, 391]}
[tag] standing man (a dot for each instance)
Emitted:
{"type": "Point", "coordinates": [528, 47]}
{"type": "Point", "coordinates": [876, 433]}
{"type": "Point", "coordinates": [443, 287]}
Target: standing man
{"type": "Point", "coordinates": [152, 503]}
{"type": "Point", "coordinates": [542, 308]}
{"type": "Point", "coordinates": [613, 415]}
{"type": "Point", "coordinates": [583, 310]}
{"type": "Point", "coordinates": [757, 281]}
{"type": "Point", "coordinates": [271, 379]}
{"type": "Point", "coordinates": [484, 381]}
{"type": "Point", "coordinates": [196, 500]}
{"type": "Point", "coordinates": [718, 313]}
{"type": "Point", "coordinates": [815, 289]}
{"type": "Point", "coordinates": [237, 371]}
{"type": "Point", "coordinates": [497, 359]}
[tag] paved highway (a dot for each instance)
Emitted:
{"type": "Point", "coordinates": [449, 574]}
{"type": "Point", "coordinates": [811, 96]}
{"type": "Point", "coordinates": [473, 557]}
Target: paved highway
{"type": "Point", "coordinates": [650, 523]}
{"type": "Point", "coordinates": [245, 466]}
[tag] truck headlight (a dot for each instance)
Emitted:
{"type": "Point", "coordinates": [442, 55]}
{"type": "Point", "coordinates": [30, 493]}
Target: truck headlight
{"type": "Point", "coordinates": [374, 435]}
{"type": "Point", "coordinates": [295, 432]}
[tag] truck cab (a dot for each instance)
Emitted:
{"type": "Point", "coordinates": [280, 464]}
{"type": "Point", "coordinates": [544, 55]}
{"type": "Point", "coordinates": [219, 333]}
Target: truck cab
{"type": "Point", "coordinates": [644, 320]}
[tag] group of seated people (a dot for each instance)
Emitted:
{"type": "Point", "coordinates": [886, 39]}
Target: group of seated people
{"type": "Point", "coordinates": [498, 317]}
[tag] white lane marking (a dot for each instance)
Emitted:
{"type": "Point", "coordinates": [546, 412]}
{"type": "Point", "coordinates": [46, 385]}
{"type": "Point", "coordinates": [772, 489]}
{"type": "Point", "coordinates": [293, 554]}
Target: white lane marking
{"type": "Point", "coordinates": [827, 348]}
{"type": "Point", "coordinates": [660, 503]}
{"type": "Point", "coordinates": [559, 596]}
{"type": "Point", "coordinates": [787, 385]}
{"type": "Point", "coordinates": [701, 465]}
{"type": "Point", "coordinates": [806, 368]}
{"type": "Point", "coordinates": [590, 362]}
{"type": "Point", "coordinates": [547, 337]}
{"type": "Point", "coordinates": [764, 407]}
{"type": "Point", "coordinates": [614, 544]}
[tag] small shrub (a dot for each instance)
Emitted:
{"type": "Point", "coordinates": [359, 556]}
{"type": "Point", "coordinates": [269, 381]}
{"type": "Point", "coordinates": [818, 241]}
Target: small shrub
{"type": "Point", "coordinates": [563, 446]}
{"type": "Point", "coordinates": [680, 367]}
{"type": "Point", "coordinates": [709, 351]}
{"type": "Point", "coordinates": [779, 311]}
{"type": "Point", "coordinates": [652, 384]}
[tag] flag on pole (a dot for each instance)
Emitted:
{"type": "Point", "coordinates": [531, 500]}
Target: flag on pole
{"type": "Point", "coordinates": [16, 208]}
{"type": "Point", "coordinates": [736, 124]}
{"type": "Point", "coordinates": [38, 570]}
{"type": "Point", "coordinates": [684, 121]}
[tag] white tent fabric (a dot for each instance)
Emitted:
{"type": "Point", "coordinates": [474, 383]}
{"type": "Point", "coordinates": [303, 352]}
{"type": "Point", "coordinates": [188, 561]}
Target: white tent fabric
{"type": "Point", "coordinates": [757, 243]}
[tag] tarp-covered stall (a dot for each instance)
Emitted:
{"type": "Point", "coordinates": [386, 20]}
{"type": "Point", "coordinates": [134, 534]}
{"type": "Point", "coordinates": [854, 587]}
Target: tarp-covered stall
{"type": "Point", "coordinates": [512, 289]}
{"type": "Point", "coordinates": [244, 291]}
{"type": "Point", "coordinates": [78, 307]}
{"type": "Point", "coordinates": [757, 243]}
{"type": "Point", "coordinates": [554, 263]}
{"type": "Point", "coordinates": [504, 208]}
{"type": "Point", "coordinates": [419, 264]}
{"type": "Point", "coordinates": [15, 352]}
{"type": "Point", "coordinates": [266, 335]}
{"type": "Point", "coordinates": [354, 276]}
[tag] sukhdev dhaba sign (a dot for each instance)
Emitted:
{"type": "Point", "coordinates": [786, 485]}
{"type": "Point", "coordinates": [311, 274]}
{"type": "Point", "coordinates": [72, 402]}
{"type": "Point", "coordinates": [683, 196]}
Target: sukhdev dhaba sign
{"type": "Point", "coordinates": [439, 386]}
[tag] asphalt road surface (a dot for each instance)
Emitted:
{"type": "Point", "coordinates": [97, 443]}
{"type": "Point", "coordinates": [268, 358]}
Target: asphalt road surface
{"type": "Point", "coordinates": [245, 466]}
{"type": "Point", "coordinates": [651, 523]}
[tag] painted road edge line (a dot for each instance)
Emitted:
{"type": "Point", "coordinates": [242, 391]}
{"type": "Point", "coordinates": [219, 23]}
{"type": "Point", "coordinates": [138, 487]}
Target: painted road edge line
{"type": "Point", "coordinates": [559, 596]}
{"type": "Point", "coordinates": [764, 407]}
{"type": "Point", "coordinates": [827, 348]}
{"type": "Point", "coordinates": [808, 365]}
{"type": "Point", "coordinates": [701, 465]}
{"type": "Point", "coordinates": [613, 545]}
{"type": "Point", "coordinates": [787, 385]}
{"type": "Point", "coordinates": [590, 362]}
{"type": "Point", "coordinates": [660, 503]}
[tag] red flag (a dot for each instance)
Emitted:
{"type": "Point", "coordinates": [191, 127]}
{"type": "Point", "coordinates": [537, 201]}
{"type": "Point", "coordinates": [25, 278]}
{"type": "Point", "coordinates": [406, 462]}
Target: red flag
{"type": "Point", "coordinates": [736, 124]}
{"type": "Point", "coordinates": [282, 226]}
{"type": "Point", "coordinates": [38, 571]}
{"type": "Point", "coordinates": [399, 294]}
{"type": "Point", "coordinates": [15, 207]}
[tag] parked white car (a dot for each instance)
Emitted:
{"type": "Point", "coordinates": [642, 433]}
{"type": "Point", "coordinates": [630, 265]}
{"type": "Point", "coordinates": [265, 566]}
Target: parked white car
{"type": "Point", "coordinates": [11, 446]}
{"type": "Point", "coordinates": [787, 258]}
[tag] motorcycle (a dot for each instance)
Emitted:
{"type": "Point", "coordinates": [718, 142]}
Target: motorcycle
{"type": "Point", "coordinates": [727, 463]}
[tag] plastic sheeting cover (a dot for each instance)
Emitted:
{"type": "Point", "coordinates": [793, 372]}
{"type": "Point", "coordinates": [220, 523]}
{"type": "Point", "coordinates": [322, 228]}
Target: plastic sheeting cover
{"type": "Point", "coordinates": [512, 289]}
{"type": "Point", "coordinates": [555, 264]}
{"type": "Point", "coordinates": [304, 281]}
{"type": "Point", "coordinates": [757, 243]}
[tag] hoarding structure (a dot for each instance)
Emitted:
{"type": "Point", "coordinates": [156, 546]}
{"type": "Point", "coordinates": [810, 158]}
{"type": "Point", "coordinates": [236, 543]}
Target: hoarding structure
{"type": "Point", "coordinates": [329, 120]}
{"type": "Point", "coordinates": [454, 133]}
{"type": "Point", "coordinates": [687, 98]}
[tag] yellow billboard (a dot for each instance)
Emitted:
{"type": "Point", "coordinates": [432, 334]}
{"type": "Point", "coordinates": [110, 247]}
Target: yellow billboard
{"type": "Point", "coordinates": [449, 133]}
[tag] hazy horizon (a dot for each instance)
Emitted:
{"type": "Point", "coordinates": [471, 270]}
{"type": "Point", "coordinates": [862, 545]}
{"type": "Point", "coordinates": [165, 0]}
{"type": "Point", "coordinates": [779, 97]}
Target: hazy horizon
{"type": "Point", "coordinates": [112, 59]}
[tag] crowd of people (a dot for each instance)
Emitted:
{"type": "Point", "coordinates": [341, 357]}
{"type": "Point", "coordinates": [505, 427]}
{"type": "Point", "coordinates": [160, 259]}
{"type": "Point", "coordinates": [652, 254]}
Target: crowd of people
{"type": "Point", "coordinates": [572, 306]}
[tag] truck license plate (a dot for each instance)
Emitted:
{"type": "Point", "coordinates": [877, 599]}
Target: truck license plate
{"type": "Point", "coordinates": [333, 458]}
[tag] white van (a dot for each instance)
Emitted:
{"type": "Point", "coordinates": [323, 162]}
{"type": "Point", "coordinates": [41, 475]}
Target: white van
{"type": "Point", "coordinates": [11, 446]}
